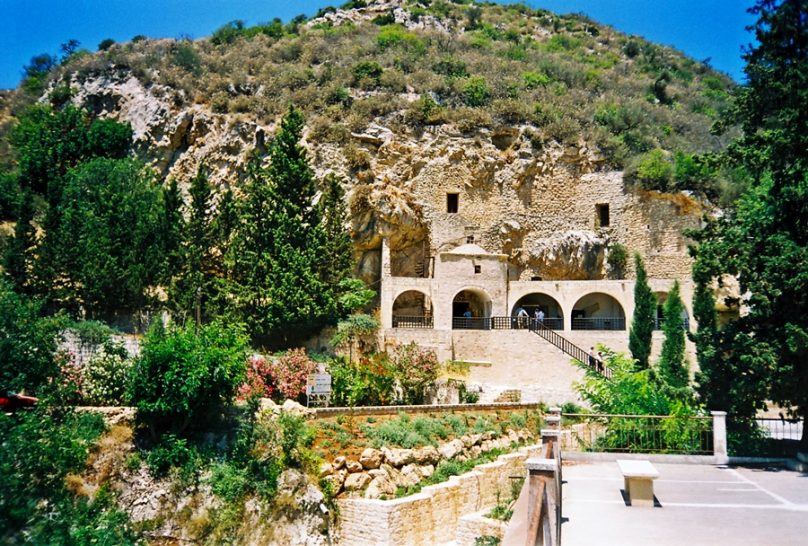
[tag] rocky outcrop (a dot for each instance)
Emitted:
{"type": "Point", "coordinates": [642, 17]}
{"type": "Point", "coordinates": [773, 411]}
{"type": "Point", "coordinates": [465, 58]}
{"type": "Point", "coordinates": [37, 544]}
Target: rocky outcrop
{"type": "Point", "coordinates": [574, 255]}
{"type": "Point", "coordinates": [380, 473]}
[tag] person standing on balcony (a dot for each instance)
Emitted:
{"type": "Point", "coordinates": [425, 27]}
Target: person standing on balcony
{"type": "Point", "coordinates": [522, 315]}
{"type": "Point", "coordinates": [593, 360]}
{"type": "Point", "coordinates": [539, 315]}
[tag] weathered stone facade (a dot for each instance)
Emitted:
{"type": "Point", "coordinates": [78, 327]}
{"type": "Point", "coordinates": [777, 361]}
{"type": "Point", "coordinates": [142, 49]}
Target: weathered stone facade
{"type": "Point", "coordinates": [552, 228]}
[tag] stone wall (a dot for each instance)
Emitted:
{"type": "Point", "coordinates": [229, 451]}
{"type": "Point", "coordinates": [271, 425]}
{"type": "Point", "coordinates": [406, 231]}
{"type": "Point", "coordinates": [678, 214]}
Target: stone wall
{"type": "Point", "coordinates": [431, 516]}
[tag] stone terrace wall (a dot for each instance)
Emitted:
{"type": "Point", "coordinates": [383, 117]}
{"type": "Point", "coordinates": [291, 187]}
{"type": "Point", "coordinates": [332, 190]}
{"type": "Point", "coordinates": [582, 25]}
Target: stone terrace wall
{"type": "Point", "coordinates": [430, 517]}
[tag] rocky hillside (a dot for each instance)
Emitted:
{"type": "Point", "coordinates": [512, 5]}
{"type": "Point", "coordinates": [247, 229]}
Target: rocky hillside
{"type": "Point", "coordinates": [392, 89]}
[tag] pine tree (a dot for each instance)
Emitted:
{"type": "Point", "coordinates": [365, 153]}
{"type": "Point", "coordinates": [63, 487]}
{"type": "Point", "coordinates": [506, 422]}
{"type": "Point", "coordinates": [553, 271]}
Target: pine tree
{"type": "Point", "coordinates": [672, 366]}
{"type": "Point", "coordinates": [337, 248]}
{"type": "Point", "coordinates": [642, 323]}
{"type": "Point", "coordinates": [282, 281]}
{"type": "Point", "coordinates": [194, 286]}
{"type": "Point", "coordinates": [18, 253]}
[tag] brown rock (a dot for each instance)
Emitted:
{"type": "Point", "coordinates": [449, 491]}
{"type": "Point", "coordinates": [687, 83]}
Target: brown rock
{"type": "Point", "coordinates": [371, 458]}
{"type": "Point", "coordinates": [357, 482]}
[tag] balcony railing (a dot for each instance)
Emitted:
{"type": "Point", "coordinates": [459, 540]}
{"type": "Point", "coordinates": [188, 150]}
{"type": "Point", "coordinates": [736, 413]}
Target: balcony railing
{"type": "Point", "coordinates": [472, 323]}
{"type": "Point", "coordinates": [658, 321]}
{"type": "Point", "coordinates": [599, 323]}
{"type": "Point", "coordinates": [527, 323]}
{"type": "Point", "coordinates": [405, 321]}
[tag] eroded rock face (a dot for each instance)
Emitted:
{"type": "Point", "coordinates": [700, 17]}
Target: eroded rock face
{"type": "Point", "coordinates": [174, 140]}
{"type": "Point", "coordinates": [573, 255]}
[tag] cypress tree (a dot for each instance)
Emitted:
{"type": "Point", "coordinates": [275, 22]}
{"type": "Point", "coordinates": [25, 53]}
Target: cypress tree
{"type": "Point", "coordinates": [642, 324]}
{"type": "Point", "coordinates": [672, 368]}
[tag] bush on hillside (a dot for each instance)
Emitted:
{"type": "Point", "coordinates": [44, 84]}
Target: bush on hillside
{"type": "Point", "coordinates": [185, 378]}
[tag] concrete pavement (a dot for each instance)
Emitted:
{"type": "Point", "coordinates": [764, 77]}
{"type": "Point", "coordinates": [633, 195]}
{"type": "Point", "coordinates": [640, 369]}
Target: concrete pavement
{"type": "Point", "coordinates": [700, 505]}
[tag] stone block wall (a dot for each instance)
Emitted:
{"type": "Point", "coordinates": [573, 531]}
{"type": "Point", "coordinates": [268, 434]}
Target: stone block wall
{"type": "Point", "coordinates": [471, 526]}
{"type": "Point", "coordinates": [431, 516]}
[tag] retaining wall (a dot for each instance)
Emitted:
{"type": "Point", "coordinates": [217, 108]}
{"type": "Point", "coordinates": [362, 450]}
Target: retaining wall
{"type": "Point", "coordinates": [431, 516]}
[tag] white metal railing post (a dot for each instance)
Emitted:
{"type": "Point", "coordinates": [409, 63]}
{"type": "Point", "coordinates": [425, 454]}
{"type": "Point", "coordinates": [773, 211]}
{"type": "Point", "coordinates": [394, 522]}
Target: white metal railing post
{"type": "Point", "coordinates": [720, 437]}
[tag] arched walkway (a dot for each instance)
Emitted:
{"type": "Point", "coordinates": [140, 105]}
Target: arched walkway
{"type": "Point", "coordinates": [412, 309]}
{"type": "Point", "coordinates": [553, 315]}
{"type": "Point", "coordinates": [598, 311]}
{"type": "Point", "coordinates": [470, 309]}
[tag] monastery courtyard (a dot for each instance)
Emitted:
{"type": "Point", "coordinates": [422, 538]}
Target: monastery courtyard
{"type": "Point", "coordinates": [701, 505]}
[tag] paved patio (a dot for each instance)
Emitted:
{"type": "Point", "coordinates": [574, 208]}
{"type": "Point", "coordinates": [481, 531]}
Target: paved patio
{"type": "Point", "coordinates": [700, 505]}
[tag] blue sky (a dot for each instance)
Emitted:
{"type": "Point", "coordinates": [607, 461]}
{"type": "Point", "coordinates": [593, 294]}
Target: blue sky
{"type": "Point", "coordinates": [699, 28]}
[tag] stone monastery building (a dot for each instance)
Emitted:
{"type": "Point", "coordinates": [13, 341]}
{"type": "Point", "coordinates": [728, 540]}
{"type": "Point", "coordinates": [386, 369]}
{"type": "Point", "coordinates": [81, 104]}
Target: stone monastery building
{"type": "Point", "coordinates": [462, 299]}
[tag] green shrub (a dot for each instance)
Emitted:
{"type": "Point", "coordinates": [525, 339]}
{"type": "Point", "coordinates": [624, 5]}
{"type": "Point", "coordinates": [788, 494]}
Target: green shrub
{"type": "Point", "coordinates": [424, 111]}
{"type": "Point", "coordinates": [229, 482]}
{"type": "Point", "coordinates": [651, 171]}
{"type": "Point", "coordinates": [183, 378]}
{"type": "Point", "coordinates": [40, 448]}
{"type": "Point", "coordinates": [397, 36]}
{"type": "Point", "coordinates": [10, 196]}
{"type": "Point", "coordinates": [186, 57]}
{"type": "Point", "coordinates": [475, 92]}
{"type": "Point", "coordinates": [367, 73]}
{"type": "Point", "coordinates": [617, 259]}
{"type": "Point", "coordinates": [27, 345]}
{"type": "Point", "coordinates": [533, 80]}
{"type": "Point", "coordinates": [368, 382]}
{"type": "Point", "coordinates": [451, 67]}
{"type": "Point", "coordinates": [170, 452]}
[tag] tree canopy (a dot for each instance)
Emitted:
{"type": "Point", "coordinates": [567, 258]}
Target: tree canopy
{"type": "Point", "coordinates": [763, 240]}
{"type": "Point", "coordinates": [642, 324]}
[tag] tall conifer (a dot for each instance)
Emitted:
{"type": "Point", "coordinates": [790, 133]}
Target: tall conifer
{"type": "Point", "coordinates": [642, 324]}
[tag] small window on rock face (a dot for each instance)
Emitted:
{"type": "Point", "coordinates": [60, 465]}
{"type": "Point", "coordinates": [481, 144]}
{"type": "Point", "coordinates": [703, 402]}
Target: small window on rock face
{"type": "Point", "coordinates": [602, 215]}
{"type": "Point", "coordinates": [478, 269]}
{"type": "Point", "coordinates": [452, 203]}
{"type": "Point", "coordinates": [470, 239]}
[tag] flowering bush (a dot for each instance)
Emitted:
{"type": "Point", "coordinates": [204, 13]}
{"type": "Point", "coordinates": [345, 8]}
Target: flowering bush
{"type": "Point", "coordinates": [279, 378]}
{"type": "Point", "coordinates": [71, 376]}
{"type": "Point", "coordinates": [290, 373]}
{"type": "Point", "coordinates": [415, 369]}
{"type": "Point", "coordinates": [105, 376]}
{"type": "Point", "coordinates": [259, 379]}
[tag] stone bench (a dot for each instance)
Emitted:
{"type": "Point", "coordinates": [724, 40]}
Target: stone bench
{"type": "Point", "coordinates": [638, 478]}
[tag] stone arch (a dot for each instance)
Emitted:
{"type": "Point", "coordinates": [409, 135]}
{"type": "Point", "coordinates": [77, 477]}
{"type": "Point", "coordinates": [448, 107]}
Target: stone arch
{"type": "Point", "coordinates": [412, 309]}
{"type": "Point", "coordinates": [553, 312]}
{"type": "Point", "coordinates": [598, 311]}
{"type": "Point", "coordinates": [473, 301]}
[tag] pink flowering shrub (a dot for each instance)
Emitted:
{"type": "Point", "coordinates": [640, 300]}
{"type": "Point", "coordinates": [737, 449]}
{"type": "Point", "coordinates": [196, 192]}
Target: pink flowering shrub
{"type": "Point", "coordinates": [259, 379]}
{"type": "Point", "coordinates": [290, 373]}
{"type": "Point", "coordinates": [71, 376]}
{"type": "Point", "coordinates": [415, 369]}
{"type": "Point", "coordinates": [279, 378]}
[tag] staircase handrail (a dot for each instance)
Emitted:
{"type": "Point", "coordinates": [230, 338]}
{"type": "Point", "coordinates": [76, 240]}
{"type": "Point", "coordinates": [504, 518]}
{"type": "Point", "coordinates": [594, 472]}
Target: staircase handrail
{"type": "Point", "coordinates": [568, 347]}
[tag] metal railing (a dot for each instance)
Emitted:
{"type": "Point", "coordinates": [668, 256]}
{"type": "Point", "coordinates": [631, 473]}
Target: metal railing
{"type": "Point", "coordinates": [763, 437]}
{"type": "Point", "coordinates": [637, 433]}
{"type": "Point", "coordinates": [658, 321]}
{"type": "Point", "coordinates": [406, 321]}
{"type": "Point", "coordinates": [599, 323]}
{"type": "Point", "coordinates": [471, 323]}
{"type": "Point", "coordinates": [570, 348]}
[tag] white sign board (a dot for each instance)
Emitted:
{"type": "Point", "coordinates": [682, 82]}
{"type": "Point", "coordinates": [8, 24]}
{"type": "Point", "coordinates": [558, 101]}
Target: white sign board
{"type": "Point", "coordinates": [319, 383]}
